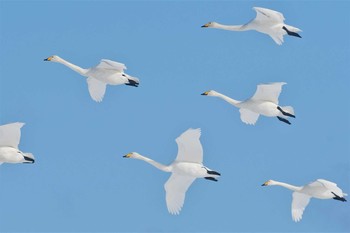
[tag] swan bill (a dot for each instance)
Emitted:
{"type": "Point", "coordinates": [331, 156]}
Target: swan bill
{"type": "Point", "coordinates": [127, 155]}
{"type": "Point", "coordinates": [48, 59]}
{"type": "Point", "coordinates": [205, 25]}
{"type": "Point", "coordinates": [205, 93]}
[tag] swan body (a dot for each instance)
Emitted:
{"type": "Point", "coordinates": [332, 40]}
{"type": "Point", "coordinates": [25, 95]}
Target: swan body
{"type": "Point", "coordinates": [106, 72]}
{"type": "Point", "coordinates": [185, 169]}
{"type": "Point", "coordinates": [10, 135]}
{"type": "Point", "coordinates": [321, 189]}
{"type": "Point", "coordinates": [263, 102]}
{"type": "Point", "coordinates": [267, 21]}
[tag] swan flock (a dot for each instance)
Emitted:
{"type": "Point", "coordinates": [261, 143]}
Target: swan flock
{"type": "Point", "coordinates": [188, 164]}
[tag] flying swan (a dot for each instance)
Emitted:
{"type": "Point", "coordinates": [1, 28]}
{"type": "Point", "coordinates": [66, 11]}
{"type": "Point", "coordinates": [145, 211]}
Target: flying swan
{"type": "Point", "coordinates": [107, 72]}
{"type": "Point", "coordinates": [10, 135]}
{"type": "Point", "coordinates": [185, 169]}
{"type": "Point", "coordinates": [267, 21]}
{"type": "Point", "coordinates": [264, 102]}
{"type": "Point", "coordinates": [321, 189]}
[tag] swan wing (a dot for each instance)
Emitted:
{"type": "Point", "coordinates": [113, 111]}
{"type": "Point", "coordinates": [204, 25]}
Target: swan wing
{"type": "Point", "coordinates": [10, 134]}
{"type": "Point", "coordinates": [248, 117]}
{"type": "Point", "coordinates": [97, 89]}
{"type": "Point", "coordinates": [111, 65]}
{"type": "Point", "coordinates": [277, 37]}
{"type": "Point", "coordinates": [265, 15]}
{"type": "Point", "coordinates": [299, 203]}
{"type": "Point", "coordinates": [176, 188]}
{"type": "Point", "coordinates": [268, 92]}
{"type": "Point", "coordinates": [189, 147]}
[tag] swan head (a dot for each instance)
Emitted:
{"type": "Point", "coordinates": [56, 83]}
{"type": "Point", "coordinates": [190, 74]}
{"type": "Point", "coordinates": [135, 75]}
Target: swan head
{"type": "Point", "coordinates": [209, 93]}
{"type": "Point", "coordinates": [210, 25]}
{"type": "Point", "coordinates": [53, 58]}
{"type": "Point", "coordinates": [132, 155]}
{"type": "Point", "coordinates": [269, 182]}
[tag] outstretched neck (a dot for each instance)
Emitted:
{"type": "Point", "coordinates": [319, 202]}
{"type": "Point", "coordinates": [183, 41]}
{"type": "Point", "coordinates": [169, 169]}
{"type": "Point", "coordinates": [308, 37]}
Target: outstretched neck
{"type": "Point", "coordinates": [227, 99]}
{"type": "Point", "coordinates": [154, 163]}
{"type": "Point", "coordinates": [231, 27]}
{"type": "Point", "coordinates": [288, 186]}
{"type": "Point", "coordinates": [72, 66]}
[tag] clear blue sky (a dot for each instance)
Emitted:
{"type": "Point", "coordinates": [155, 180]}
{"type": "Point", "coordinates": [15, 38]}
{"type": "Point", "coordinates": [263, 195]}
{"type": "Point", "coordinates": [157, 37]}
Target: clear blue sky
{"type": "Point", "coordinates": [80, 182]}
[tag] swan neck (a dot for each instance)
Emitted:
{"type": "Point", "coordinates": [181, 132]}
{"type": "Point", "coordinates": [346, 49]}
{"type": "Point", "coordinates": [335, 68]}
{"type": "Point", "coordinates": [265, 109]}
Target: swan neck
{"type": "Point", "coordinates": [228, 99]}
{"type": "Point", "coordinates": [154, 163]}
{"type": "Point", "coordinates": [231, 27]}
{"type": "Point", "coordinates": [288, 186]}
{"type": "Point", "coordinates": [73, 67]}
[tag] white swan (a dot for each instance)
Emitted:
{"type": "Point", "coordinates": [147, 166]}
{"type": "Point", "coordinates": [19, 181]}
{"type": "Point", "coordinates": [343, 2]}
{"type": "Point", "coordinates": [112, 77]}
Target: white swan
{"type": "Point", "coordinates": [185, 169]}
{"type": "Point", "coordinates": [10, 135]}
{"type": "Point", "coordinates": [107, 72]}
{"type": "Point", "coordinates": [264, 102]}
{"type": "Point", "coordinates": [322, 189]}
{"type": "Point", "coordinates": [267, 21]}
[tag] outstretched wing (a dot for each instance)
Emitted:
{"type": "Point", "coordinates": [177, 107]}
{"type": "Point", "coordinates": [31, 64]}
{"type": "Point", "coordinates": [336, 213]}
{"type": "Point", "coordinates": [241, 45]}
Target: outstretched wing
{"type": "Point", "coordinates": [299, 203]}
{"type": "Point", "coordinates": [268, 16]}
{"type": "Point", "coordinates": [97, 89]}
{"type": "Point", "coordinates": [268, 92]}
{"type": "Point", "coordinates": [189, 147]}
{"type": "Point", "coordinates": [10, 134]}
{"type": "Point", "coordinates": [176, 188]}
{"type": "Point", "coordinates": [278, 36]}
{"type": "Point", "coordinates": [111, 65]}
{"type": "Point", "coordinates": [248, 117]}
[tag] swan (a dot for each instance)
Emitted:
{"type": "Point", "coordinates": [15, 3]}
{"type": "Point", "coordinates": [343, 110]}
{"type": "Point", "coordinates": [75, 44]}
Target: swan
{"type": "Point", "coordinates": [10, 135]}
{"type": "Point", "coordinates": [267, 21]}
{"type": "Point", "coordinates": [185, 169]}
{"type": "Point", "coordinates": [106, 72]}
{"type": "Point", "coordinates": [264, 102]}
{"type": "Point", "coordinates": [320, 188]}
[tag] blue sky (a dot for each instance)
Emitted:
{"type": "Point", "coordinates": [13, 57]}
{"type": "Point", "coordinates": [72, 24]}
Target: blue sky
{"type": "Point", "coordinates": [80, 182]}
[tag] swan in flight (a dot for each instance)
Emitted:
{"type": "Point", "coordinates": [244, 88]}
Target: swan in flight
{"type": "Point", "coordinates": [267, 21]}
{"type": "Point", "coordinates": [107, 72]}
{"type": "Point", "coordinates": [321, 189]}
{"type": "Point", "coordinates": [264, 102]}
{"type": "Point", "coordinates": [10, 135]}
{"type": "Point", "coordinates": [185, 169]}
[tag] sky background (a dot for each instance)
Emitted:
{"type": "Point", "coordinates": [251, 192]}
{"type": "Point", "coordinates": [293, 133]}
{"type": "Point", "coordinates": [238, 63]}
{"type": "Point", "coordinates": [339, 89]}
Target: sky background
{"type": "Point", "coordinates": [80, 182]}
